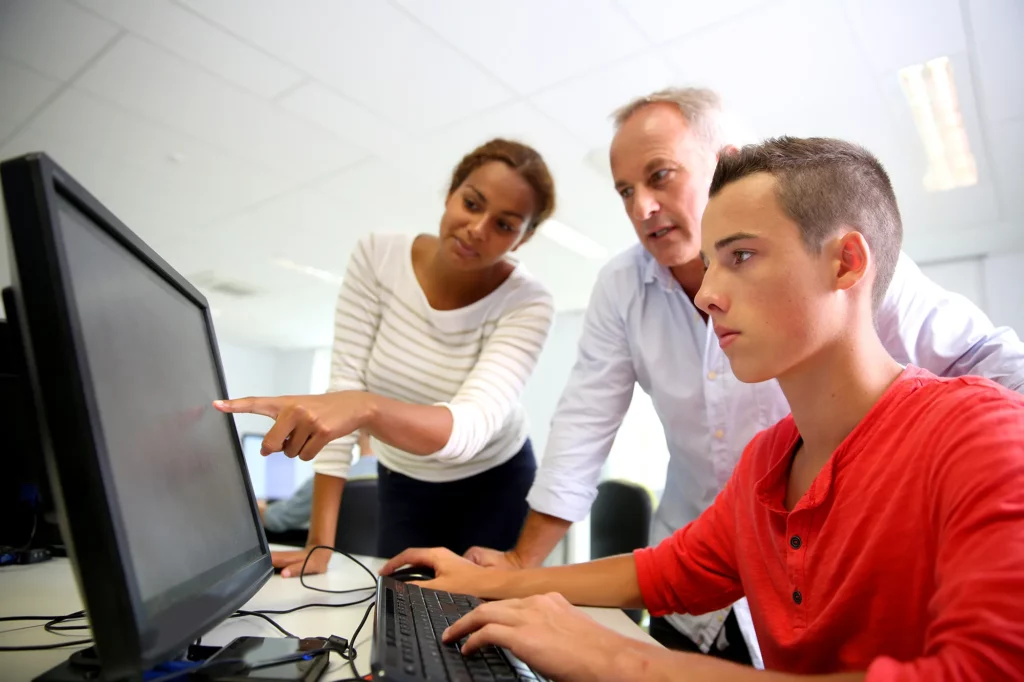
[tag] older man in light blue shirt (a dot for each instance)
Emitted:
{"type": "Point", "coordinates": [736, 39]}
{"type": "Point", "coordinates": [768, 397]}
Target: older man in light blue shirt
{"type": "Point", "coordinates": [642, 327]}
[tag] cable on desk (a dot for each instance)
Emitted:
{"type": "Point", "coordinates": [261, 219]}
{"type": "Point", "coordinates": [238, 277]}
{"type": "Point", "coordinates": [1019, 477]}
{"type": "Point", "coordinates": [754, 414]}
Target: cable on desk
{"type": "Point", "coordinates": [52, 626]}
{"type": "Point", "coordinates": [259, 614]}
{"type": "Point", "coordinates": [357, 562]}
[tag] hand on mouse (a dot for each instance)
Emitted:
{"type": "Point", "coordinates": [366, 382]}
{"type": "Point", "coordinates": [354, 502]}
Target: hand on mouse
{"type": "Point", "coordinates": [454, 574]}
{"type": "Point", "coordinates": [304, 424]}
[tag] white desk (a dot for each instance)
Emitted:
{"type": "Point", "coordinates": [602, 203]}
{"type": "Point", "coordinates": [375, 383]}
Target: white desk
{"type": "Point", "coordinates": [49, 589]}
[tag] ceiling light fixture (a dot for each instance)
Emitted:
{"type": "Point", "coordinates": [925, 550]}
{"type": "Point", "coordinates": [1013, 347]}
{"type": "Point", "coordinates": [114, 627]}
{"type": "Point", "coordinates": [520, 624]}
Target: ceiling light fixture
{"type": "Point", "coordinates": [931, 94]}
{"type": "Point", "coordinates": [322, 275]}
{"type": "Point", "coordinates": [563, 235]}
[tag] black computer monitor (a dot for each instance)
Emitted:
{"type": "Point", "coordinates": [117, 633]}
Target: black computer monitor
{"type": "Point", "coordinates": [150, 483]}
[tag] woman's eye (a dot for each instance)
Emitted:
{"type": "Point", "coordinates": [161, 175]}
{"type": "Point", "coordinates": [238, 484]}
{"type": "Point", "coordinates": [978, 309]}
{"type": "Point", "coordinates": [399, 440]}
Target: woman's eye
{"type": "Point", "coordinates": [626, 192]}
{"type": "Point", "coordinates": [741, 256]}
{"type": "Point", "coordinates": [469, 203]}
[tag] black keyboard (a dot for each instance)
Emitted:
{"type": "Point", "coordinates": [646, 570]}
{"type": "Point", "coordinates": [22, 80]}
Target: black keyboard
{"type": "Point", "coordinates": [407, 639]}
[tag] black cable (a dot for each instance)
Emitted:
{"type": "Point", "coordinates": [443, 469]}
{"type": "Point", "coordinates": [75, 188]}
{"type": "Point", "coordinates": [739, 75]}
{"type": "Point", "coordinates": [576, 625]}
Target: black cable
{"type": "Point", "coordinates": [302, 572]}
{"type": "Point", "coordinates": [258, 614]}
{"type": "Point", "coordinates": [51, 626]}
{"type": "Point", "coordinates": [352, 642]}
{"type": "Point", "coordinates": [54, 627]}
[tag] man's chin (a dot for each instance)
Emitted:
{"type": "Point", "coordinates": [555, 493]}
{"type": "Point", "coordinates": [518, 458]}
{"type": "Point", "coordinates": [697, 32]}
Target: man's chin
{"type": "Point", "coordinates": [672, 255]}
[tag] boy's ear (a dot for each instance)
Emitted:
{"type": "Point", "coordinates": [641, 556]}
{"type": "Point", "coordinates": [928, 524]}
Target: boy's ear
{"type": "Point", "coordinates": [853, 260]}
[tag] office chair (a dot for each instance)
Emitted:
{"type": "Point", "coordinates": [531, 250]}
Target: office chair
{"type": "Point", "coordinates": [357, 518]}
{"type": "Point", "coordinates": [620, 521]}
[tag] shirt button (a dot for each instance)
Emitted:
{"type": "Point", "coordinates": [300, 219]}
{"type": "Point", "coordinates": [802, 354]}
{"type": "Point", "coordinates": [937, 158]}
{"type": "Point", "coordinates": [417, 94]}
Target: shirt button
{"type": "Point", "coordinates": [797, 597]}
{"type": "Point", "coordinates": [719, 434]}
{"type": "Point", "coordinates": [712, 376]}
{"type": "Point", "coordinates": [794, 542]}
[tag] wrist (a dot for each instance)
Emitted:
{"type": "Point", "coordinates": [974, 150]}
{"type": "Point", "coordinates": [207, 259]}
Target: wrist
{"type": "Point", "coordinates": [636, 661]}
{"type": "Point", "coordinates": [520, 558]}
{"type": "Point", "coordinates": [369, 410]}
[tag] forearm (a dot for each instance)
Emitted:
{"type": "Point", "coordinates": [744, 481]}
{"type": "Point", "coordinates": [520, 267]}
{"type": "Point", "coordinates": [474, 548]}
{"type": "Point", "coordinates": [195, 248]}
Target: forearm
{"type": "Point", "coordinates": [323, 517]}
{"type": "Point", "coordinates": [608, 582]}
{"type": "Point", "coordinates": [416, 429]}
{"type": "Point", "coordinates": [540, 534]}
{"type": "Point", "coordinates": [652, 663]}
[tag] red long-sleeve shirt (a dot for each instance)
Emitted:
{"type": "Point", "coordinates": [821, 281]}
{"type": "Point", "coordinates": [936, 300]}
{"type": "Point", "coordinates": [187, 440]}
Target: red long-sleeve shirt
{"type": "Point", "coordinates": [905, 558]}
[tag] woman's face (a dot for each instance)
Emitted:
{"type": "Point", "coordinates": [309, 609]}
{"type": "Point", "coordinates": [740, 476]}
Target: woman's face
{"type": "Point", "coordinates": [487, 216]}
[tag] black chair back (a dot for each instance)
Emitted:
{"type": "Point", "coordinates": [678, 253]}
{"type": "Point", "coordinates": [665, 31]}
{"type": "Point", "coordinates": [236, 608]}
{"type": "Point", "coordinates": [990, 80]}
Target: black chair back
{"type": "Point", "coordinates": [357, 518]}
{"type": "Point", "coordinates": [620, 522]}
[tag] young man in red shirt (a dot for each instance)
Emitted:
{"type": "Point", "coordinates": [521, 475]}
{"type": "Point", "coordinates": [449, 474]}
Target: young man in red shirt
{"type": "Point", "coordinates": [877, 532]}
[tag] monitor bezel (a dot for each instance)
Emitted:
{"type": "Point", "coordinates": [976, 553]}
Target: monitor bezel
{"type": "Point", "coordinates": [127, 640]}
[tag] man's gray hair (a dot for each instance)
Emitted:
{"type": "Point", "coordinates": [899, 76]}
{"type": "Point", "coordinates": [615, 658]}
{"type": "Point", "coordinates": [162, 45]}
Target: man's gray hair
{"type": "Point", "coordinates": [702, 109]}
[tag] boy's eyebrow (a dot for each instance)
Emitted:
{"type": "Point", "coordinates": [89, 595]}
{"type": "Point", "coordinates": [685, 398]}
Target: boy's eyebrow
{"type": "Point", "coordinates": [733, 238]}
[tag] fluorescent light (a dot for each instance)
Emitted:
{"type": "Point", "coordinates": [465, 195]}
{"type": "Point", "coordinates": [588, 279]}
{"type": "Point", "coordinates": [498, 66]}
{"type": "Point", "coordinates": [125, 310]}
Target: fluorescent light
{"type": "Point", "coordinates": [931, 94]}
{"type": "Point", "coordinates": [322, 275]}
{"type": "Point", "coordinates": [563, 235]}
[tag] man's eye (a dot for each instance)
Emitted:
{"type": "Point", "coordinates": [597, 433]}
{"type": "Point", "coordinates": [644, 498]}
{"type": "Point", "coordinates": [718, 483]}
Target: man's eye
{"type": "Point", "coordinates": [626, 192]}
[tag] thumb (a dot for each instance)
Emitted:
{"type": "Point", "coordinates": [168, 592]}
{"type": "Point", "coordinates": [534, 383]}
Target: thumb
{"type": "Point", "coordinates": [268, 407]}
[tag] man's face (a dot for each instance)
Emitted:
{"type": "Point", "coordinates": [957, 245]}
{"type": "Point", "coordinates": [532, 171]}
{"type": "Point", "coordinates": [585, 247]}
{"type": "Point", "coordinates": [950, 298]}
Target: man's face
{"type": "Point", "coordinates": [662, 171]}
{"type": "Point", "coordinates": [769, 297]}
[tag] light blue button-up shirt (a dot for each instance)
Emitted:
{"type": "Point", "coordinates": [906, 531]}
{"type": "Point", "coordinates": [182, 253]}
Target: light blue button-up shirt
{"type": "Point", "coordinates": [641, 328]}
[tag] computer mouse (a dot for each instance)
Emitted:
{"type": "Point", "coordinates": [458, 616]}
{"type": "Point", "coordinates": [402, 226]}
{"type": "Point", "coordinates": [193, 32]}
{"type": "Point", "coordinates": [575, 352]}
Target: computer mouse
{"type": "Point", "coordinates": [413, 573]}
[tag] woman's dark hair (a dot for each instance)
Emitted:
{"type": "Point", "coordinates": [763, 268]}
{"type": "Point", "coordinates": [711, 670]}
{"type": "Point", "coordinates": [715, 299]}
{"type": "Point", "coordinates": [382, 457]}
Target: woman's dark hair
{"type": "Point", "coordinates": [521, 158]}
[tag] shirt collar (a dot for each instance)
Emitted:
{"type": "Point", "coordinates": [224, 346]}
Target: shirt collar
{"type": "Point", "coordinates": [656, 272]}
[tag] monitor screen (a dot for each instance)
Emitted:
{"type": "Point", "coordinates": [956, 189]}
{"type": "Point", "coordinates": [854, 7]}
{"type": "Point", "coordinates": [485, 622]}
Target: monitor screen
{"type": "Point", "coordinates": [178, 487]}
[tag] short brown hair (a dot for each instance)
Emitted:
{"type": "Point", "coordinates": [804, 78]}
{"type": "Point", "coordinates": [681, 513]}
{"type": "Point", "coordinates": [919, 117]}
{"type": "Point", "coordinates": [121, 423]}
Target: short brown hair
{"type": "Point", "coordinates": [521, 158]}
{"type": "Point", "coordinates": [823, 184]}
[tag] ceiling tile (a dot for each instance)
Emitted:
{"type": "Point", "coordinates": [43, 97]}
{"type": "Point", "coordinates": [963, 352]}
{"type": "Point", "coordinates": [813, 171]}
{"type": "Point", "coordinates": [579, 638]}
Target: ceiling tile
{"type": "Point", "coordinates": [540, 42]}
{"type": "Point", "coordinates": [585, 104]}
{"type": "Point", "coordinates": [21, 93]}
{"type": "Point", "coordinates": [180, 31]}
{"type": "Point", "coordinates": [163, 88]}
{"type": "Point", "coordinates": [377, 195]}
{"type": "Point", "coordinates": [663, 20]}
{"type": "Point", "coordinates": [894, 33]}
{"type": "Point", "coordinates": [369, 51]}
{"type": "Point", "coordinates": [998, 40]}
{"type": "Point", "coordinates": [813, 77]}
{"type": "Point", "coordinates": [348, 120]}
{"type": "Point", "coordinates": [53, 37]}
{"type": "Point", "coordinates": [174, 184]}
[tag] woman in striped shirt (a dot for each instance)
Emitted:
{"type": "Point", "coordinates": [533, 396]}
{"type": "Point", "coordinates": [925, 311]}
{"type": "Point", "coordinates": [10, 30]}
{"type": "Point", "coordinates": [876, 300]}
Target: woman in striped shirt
{"type": "Point", "coordinates": [435, 338]}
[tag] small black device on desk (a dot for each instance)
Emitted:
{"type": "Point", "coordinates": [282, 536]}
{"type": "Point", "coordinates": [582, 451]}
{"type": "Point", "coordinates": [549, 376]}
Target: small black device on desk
{"type": "Point", "coordinates": [257, 650]}
{"type": "Point", "coordinates": [407, 645]}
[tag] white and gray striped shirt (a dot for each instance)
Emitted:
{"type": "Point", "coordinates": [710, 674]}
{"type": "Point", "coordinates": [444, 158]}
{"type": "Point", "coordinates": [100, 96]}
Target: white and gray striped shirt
{"type": "Point", "coordinates": [473, 360]}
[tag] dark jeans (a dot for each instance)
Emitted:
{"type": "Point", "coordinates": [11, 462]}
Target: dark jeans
{"type": "Point", "coordinates": [487, 509]}
{"type": "Point", "coordinates": [737, 652]}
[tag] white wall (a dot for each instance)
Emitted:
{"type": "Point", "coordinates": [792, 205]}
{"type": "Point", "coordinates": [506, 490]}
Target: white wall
{"type": "Point", "coordinates": [544, 388]}
{"type": "Point", "coordinates": [994, 283]}
{"type": "Point", "coordinates": [1004, 290]}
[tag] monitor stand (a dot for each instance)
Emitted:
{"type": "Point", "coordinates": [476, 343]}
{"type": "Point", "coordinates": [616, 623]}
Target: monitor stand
{"type": "Point", "coordinates": [85, 666]}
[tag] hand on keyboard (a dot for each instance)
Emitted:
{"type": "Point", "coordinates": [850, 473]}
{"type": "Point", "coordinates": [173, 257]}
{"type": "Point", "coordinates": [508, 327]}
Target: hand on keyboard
{"type": "Point", "coordinates": [546, 632]}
